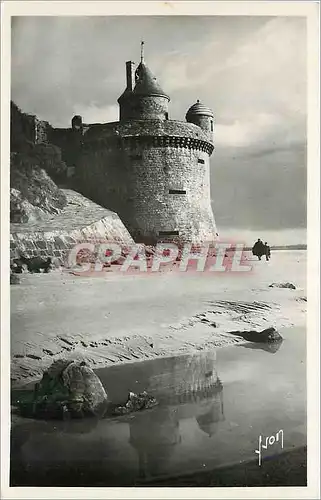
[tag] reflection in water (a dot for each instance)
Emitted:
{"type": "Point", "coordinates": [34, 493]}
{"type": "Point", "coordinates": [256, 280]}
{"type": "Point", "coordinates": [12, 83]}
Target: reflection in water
{"type": "Point", "coordinates": [190, 388]}
{"type": "Point", "coordinates": [25, 429]}
{"type": "Point", "coordinates": [271, 347]}
{"type": "Point", "coordinates": [153, 436]}
{"type": "Point", "coordinates": [187, 387]}
{"type": "Point", "coordinates": [208, 421]}
{"type": "Point", "coordinates": [185, 378]}
{"type": "Point", "coordinates": [184, 433]}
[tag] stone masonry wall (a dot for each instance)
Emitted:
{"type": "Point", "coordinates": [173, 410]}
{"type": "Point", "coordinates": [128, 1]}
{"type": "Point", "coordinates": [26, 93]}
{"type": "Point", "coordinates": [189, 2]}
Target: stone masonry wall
{"type": "Point", "coordinates": [81, 220]}
{"type": "Point", "coordinates": [141, 108]}
{"type": "Point", "coordinates": [134, 177]}
{"type": "Point", "coordinates": [41, 130]}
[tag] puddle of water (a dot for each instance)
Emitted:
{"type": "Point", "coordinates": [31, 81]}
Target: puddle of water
{"type": "Point", "coordinates": [213, 406]}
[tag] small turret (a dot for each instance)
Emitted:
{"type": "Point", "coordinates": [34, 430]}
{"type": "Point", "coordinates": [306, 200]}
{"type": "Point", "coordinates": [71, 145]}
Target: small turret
{"type": "Point", "coordinates": [202, 116]}
{"type": "Point", "coordinates": [145, 100]}
{"type": "Point", "coordinates": [76, 123]}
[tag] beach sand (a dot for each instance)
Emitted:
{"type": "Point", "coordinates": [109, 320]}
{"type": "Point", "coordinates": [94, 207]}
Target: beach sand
{"type": "Point", "coordinates": [116, 318]}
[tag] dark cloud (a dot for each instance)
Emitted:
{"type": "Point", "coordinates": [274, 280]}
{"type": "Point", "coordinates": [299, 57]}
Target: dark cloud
{"type": "Point", "coordinates": [250, 70]}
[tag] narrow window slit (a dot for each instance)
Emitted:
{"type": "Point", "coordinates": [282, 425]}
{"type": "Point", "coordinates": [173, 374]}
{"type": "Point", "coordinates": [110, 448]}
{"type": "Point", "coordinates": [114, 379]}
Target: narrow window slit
{"type": "Point", "coordinates": [168, 233]}
{"type": "Point", "coordinates": [177, 191]}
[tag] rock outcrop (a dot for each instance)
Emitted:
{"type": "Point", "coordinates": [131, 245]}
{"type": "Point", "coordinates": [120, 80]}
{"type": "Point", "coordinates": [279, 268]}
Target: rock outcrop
{"type": "Point", "coordinates": [33, 265]}
{"type": "Point", "coordinates": [268, 335]}
{"type": "Point", "coordinates": [135, 402]}
{"type": "Point", "coordinates": [33, 194]}
{"type": "Point", "coordinates": [283, 285]}
{"type": "Point", "coordinates": [14, 279]}
{"type": "Point", "coordinates": [68, 389]}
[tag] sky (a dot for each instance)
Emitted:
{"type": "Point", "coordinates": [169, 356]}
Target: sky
{"type": "Point", "coordinates": [251, 71]}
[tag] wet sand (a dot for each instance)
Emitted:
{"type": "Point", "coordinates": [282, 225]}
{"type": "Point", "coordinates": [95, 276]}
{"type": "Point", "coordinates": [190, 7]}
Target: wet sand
{"type": "Point", "coordinates": [212, 408]}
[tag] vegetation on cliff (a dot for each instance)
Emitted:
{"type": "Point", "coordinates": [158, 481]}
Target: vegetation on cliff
{"type": "Point", "coordinates": [33, 194]}
{"type": "Point", "coordinates": [33, 170]}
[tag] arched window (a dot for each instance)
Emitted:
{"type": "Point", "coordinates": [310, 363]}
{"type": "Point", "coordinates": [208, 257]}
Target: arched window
{"type": "Point", "coordinates": [211, 125]}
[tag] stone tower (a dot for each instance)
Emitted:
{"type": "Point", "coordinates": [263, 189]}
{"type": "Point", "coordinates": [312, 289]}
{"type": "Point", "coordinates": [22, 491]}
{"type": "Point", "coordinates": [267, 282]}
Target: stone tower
{"type": "Point", "coordinates": [153, 171]}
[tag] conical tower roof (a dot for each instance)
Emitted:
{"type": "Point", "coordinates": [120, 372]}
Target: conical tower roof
{"type": "Point", "coordinates": [146, 83]}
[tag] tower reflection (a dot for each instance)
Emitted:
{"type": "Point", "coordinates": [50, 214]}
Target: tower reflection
{"type": "Point", "coordinates": [188, 388]}
{"type": "Point", "coordinates": [154, 435]}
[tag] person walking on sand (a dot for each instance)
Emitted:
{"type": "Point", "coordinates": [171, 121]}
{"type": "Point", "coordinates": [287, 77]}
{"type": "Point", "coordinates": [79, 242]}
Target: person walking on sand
{"type": "Point", "coordinates": [267, 251]}
{"type": "Point", "coordinates": [258, 249]}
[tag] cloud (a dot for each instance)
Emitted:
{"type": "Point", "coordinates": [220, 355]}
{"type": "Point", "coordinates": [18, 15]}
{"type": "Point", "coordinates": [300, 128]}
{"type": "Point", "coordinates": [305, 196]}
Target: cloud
{"type": "Point", "coordinates": [239, 66]}
{"type": "Point", "coordinates": [255, 82]}
{"type": "Point", "coordinates": [251, 71]}
{"type": "Point", "coordinates": [247, 132]}
{"type": "Point", "coordinates": [97, 114]}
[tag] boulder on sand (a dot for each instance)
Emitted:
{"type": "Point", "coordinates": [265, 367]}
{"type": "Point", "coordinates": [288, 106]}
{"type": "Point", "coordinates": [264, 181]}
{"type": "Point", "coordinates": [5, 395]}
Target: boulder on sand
{"type": "Point", "coordinates": [35, 264]}
{"type": "Point", "coordinates": [268, 335]}
{"type": "Point", "coordinates": [283, 285]}
{"type": "Point", "coordinates": [68, 389]}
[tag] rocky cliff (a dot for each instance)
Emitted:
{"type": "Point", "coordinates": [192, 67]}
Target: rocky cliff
{"type": "Point", "coordinates": [35, 165]}
{"type": "Point", "coordinates": [45, 220]}
{"type": "Point", "coordinates": [33, 194]}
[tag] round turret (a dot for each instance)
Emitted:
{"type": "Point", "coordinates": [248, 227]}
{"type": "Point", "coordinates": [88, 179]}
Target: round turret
{"type": "Point", "coordinates": [152, 171]}
{"type": "Point", "coordinates": [201, 115]}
